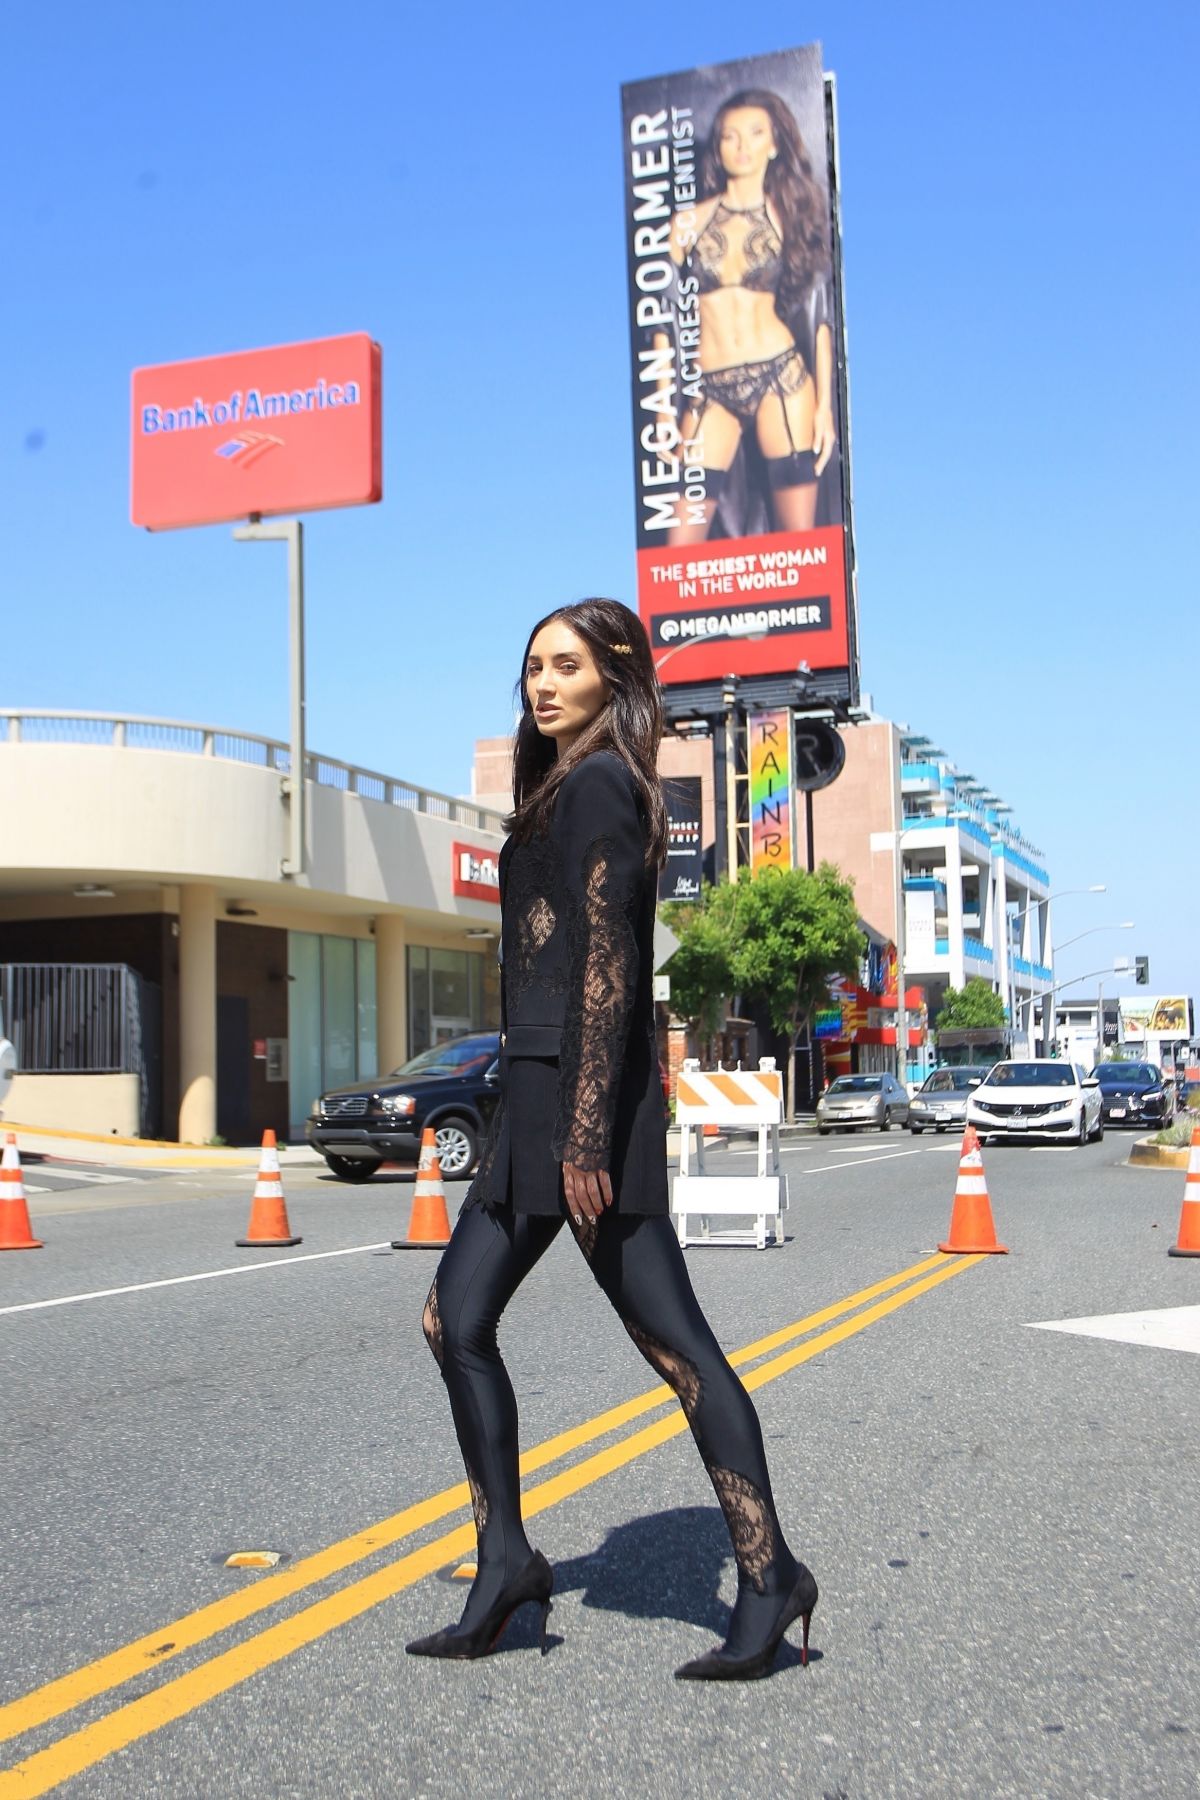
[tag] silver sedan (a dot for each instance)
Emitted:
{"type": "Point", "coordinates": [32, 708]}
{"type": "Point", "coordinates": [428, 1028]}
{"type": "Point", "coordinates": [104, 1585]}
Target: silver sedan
{"type": "Point", "coordinates": [862, 1102]}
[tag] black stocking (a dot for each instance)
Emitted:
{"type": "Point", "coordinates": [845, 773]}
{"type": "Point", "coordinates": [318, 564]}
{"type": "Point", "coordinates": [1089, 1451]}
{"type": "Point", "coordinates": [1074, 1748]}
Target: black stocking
{"type": "Point", "coordinates": [638, 1264]}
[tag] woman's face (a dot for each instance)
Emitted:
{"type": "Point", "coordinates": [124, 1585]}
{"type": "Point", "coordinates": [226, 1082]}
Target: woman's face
{"type": "Point", "coordinates": [746, 142]}
{"type": "Point", "coordinates": [565, 688]}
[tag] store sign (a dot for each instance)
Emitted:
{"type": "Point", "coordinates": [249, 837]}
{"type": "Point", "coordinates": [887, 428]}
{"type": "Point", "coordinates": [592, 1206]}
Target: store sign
{"type": "Point", "coordinates": [740, 476]}
{"type": "Point", "coordinates": [680, 876]}
{"type": "Point", "coordinates": [770, 741]}
{"type": "Point", "coordinates": [290, 429]}
{"type": "Point", "coordinates": [476, 873]}
{"type": "Point", "coordinates": [820, 753]}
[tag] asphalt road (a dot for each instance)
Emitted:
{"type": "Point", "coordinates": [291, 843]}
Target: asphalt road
{"type": "Point", "coordinates": [1002, 1519]}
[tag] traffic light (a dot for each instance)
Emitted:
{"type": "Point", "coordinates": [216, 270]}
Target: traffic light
{"type": "Point", "coordinates": [1141, 970]}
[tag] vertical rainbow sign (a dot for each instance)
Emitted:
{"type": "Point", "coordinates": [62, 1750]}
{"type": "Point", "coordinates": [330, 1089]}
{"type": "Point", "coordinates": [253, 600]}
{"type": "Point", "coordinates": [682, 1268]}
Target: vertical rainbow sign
{"type": "Point", "coordinates": [770, 735]}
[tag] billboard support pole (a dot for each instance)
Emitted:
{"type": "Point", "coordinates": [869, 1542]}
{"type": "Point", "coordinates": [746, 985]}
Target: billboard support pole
{"type": "Point", "coordinates": [291, 533]}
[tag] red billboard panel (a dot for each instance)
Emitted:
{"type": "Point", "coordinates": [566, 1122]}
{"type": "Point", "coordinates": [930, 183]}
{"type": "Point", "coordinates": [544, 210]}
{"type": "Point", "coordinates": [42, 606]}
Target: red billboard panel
{"type": "Point", "coordinates": [294, 428]}
{"type": "Point", "coordinates": [739, 419]}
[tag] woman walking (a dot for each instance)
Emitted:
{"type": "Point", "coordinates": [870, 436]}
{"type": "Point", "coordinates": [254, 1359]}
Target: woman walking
{"type": "Point", "coordinates": [578, 1135]}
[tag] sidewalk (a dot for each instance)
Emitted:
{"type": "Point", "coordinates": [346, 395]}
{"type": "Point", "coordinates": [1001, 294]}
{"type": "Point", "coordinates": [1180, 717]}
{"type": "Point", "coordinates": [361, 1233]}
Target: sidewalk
{"type": "Point", "coordinates": [145, 1153]}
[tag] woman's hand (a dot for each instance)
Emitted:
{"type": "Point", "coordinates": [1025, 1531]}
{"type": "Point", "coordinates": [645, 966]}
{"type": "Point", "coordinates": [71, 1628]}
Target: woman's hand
{"type": "Point", "coordinates": [588, 1192]}
{"type": "Point", "coordinates": [824, 438]}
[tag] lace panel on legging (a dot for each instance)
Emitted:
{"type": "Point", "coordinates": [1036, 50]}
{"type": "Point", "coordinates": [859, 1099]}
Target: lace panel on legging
{"type": "Point", "coordinates": [479, 1503]}
{"type": "Point", "coordinates": [431, 1324]}
{"type": "Point", "coordinates": [750, 1521]}
{"type": "Point", "coordinates": [585, 1235]}
{"type": "Point", "coordinates": [675, 1369]}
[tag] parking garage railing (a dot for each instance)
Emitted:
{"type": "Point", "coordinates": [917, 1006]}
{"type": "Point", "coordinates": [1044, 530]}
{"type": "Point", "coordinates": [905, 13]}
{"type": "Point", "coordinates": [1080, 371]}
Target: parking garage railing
{"type": "Point", "coordinates": [132, 731]}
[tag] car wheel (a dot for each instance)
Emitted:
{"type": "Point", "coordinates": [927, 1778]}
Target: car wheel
{"type": "Point", "coordinates": [1084, 1134]}
{"type": "Point", "coordinates": [916, 1130]}
{"type": "Point", "coordinates": [1097, 1136]}
{"type": "Point", "coordinates": [885, 1124]}
{"type": "Point", "coordinates": [822, 1130]}
{"type": "Point", "coordinates": [456, 1147]}
{"type": "Point", "coordinates": [352, 1168]}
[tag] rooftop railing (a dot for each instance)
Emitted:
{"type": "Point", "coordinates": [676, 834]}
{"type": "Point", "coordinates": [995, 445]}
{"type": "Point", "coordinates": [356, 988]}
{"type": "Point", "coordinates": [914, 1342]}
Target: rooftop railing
{"type": "Point", "coordinates": [131, 731]}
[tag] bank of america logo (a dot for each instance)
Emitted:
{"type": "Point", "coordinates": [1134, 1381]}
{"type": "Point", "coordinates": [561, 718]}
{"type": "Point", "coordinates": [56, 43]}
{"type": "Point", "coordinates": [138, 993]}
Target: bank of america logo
{"type": "Point", "coordinates": [248, 447]}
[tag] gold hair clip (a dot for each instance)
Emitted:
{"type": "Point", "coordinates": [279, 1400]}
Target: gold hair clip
{"type": "Point", "coordinates": [622, 649]}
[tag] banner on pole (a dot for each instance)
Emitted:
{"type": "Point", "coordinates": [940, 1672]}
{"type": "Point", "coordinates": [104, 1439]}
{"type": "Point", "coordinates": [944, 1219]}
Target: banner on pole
{"type": "Point", "coordinates": [770, 759]}
{"type": "Point", "coordinates": [680, 876]}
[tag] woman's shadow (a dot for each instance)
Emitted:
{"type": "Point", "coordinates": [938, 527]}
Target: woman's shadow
{"type": "Point", "coordinates": [667, 1565]}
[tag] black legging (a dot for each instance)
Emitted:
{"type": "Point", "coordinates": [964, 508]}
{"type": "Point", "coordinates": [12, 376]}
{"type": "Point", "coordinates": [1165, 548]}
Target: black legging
{"type": "Point", "coordinates": [639, 1265]}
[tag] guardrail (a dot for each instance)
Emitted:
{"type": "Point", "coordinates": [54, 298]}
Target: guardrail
{"type": "Point", "coordinates": [132, 731]}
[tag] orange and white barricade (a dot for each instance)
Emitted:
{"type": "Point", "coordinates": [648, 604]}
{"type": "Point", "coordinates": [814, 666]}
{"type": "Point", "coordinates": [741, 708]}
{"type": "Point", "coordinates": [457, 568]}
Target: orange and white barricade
{"type": "Point", "coordinates": [747, 1098]}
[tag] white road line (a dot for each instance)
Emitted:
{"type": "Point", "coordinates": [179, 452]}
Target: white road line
{"type": "Point", "coordinates": [141, 1287]}
{"type": "Point", "coordinates": [832, 1168]}
{"type": "Point", "coordinates": [98, 1176]}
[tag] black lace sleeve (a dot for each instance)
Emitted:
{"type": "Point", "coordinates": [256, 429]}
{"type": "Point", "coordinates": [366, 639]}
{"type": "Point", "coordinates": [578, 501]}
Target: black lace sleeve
{"type": "Point", "coordinates": [603, 858]}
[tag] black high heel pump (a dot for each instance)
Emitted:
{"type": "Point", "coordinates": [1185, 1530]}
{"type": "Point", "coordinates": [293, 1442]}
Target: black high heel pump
{"type": "Point", "coordinates": [723, 1665]}
{"type": "Point", "coordinates": [534, 1583]}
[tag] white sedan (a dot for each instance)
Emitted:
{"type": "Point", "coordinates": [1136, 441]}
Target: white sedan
{"type": "Point", "coordinates": [1037, 1099]}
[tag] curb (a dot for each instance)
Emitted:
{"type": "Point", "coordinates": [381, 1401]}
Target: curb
{"type": "Point", "coordinates": [144, 1153]}
{"type": "Point", "coordinates": [1146, 1154]}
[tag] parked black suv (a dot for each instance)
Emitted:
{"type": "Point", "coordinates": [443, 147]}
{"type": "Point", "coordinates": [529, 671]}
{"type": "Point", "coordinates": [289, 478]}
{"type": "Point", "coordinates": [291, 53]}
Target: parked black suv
{"type": "Point", "coordinates": [453, 1088]}
{"type": "Point", "coordinates": [1133, 1094]}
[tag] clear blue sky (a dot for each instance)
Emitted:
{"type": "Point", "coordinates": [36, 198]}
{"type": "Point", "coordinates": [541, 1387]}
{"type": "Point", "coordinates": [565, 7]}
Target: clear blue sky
{"type": "Point", "coordinates": [1019, 202]}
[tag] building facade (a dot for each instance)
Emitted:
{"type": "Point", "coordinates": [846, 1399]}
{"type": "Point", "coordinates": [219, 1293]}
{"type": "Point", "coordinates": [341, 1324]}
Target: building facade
{"type": "Point", "coordinates": [154, 847]}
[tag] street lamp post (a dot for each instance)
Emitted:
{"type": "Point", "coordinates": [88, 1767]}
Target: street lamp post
{"type": "Point", "coordinates": [1097, 887]}
{"type": "Point", "coordinates": [1048, 999]}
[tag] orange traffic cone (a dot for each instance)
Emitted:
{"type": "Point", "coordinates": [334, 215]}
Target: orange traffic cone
{"type": "Point", "coordinates": [429, 1222]}
{"type": "Point", "coordinates": [971, 1230]}
{"type": "Point", "coordinates": [269, 1226]}
{"type": "Point", "coordinates": [15, 1230]}
{"type": "Point", "coordinates": [1189, 1218]}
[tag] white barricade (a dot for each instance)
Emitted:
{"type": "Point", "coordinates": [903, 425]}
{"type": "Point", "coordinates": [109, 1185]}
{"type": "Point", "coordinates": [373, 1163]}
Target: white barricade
{"type": "Point", "coordinates": [743, 1097]}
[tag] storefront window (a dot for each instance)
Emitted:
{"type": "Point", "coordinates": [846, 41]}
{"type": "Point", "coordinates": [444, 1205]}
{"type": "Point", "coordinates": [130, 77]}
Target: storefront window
{"type": "Point", "coordinates": [331, 1017]}
{"type": "Point", "coordinates": [449, 993]}
{"type": "Point", "coordinates": [304, 1025]}
{"type": "Point", "coordinates": [364, 966]}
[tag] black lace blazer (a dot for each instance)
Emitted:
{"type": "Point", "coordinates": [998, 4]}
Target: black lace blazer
{"type": "Point", "coordinates": [579, 1064]}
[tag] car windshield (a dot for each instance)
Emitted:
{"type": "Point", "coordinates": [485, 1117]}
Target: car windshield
{"type": "Point", "coordinates": [857, 1084]}
{"type": "Point", "coordinates": [1125, 1075]}
{"type": "Point", "coordinates": [458, 1057]}
{"type": "Point", "coordinates": [952, 1081]}
{"type": "Point", "coordinates": [1032, 1074]}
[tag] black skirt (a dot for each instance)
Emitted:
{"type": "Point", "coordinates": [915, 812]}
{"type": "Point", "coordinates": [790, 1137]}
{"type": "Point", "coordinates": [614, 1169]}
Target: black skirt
{"type": "Point", "coordinates": [519, 1168]}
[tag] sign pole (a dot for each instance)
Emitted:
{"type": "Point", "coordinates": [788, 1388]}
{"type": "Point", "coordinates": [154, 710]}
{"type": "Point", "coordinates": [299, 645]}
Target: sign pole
{"type": "Point", "coordinates": [290, 532]}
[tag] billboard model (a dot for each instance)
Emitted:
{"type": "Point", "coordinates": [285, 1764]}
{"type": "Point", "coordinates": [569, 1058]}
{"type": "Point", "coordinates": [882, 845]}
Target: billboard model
{"type": "Point", "coordinates": [739, 424]}
{"type": "Point", "coordinates": [293, 428]}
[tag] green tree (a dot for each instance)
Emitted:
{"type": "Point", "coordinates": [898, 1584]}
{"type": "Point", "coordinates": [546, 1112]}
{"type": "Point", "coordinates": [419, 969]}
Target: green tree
{"type": "Point", "coordinates": [792, 931]}
{"type": "Point", "coordinates": [972, 1008]}
{"type": "Point", "coordinates": [701, 970]}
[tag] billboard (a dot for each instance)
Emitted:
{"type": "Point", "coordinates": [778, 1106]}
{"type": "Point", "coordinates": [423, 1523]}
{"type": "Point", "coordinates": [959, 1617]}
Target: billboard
{"type": "Point", "coordinates": [770, 757]}
{"type": "Point", "coordinates": [738, 371]}
{"type": "Point", "coordinates": [1144, 1016]}
{"type": "Point", "coordinates": [295, 428]}
{"type": "Point", "coordinates": [681, 874]}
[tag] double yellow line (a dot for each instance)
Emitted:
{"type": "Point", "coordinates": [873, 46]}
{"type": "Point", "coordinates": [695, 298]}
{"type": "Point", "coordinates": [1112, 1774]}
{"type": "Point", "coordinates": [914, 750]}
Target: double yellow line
{"type": "Point", "coordinates": [127, 1723]}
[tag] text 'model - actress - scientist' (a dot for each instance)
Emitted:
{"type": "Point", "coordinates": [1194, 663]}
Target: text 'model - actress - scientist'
{"type": "Point", "coordinates": [578, 1134]}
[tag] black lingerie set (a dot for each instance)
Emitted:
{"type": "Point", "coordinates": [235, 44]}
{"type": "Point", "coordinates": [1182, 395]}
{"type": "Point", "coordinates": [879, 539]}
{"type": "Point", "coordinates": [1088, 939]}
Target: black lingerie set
{"type": "Point", "coordinates": [742, 388]}
{"type": "Point", "coordinates": [580, 1083]}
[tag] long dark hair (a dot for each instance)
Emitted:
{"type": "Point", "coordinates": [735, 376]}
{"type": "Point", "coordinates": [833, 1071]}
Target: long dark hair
{"type": "Point", "coordinates": [629, 723]}
{"type": "Point", "coordinates": [791, 188]}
